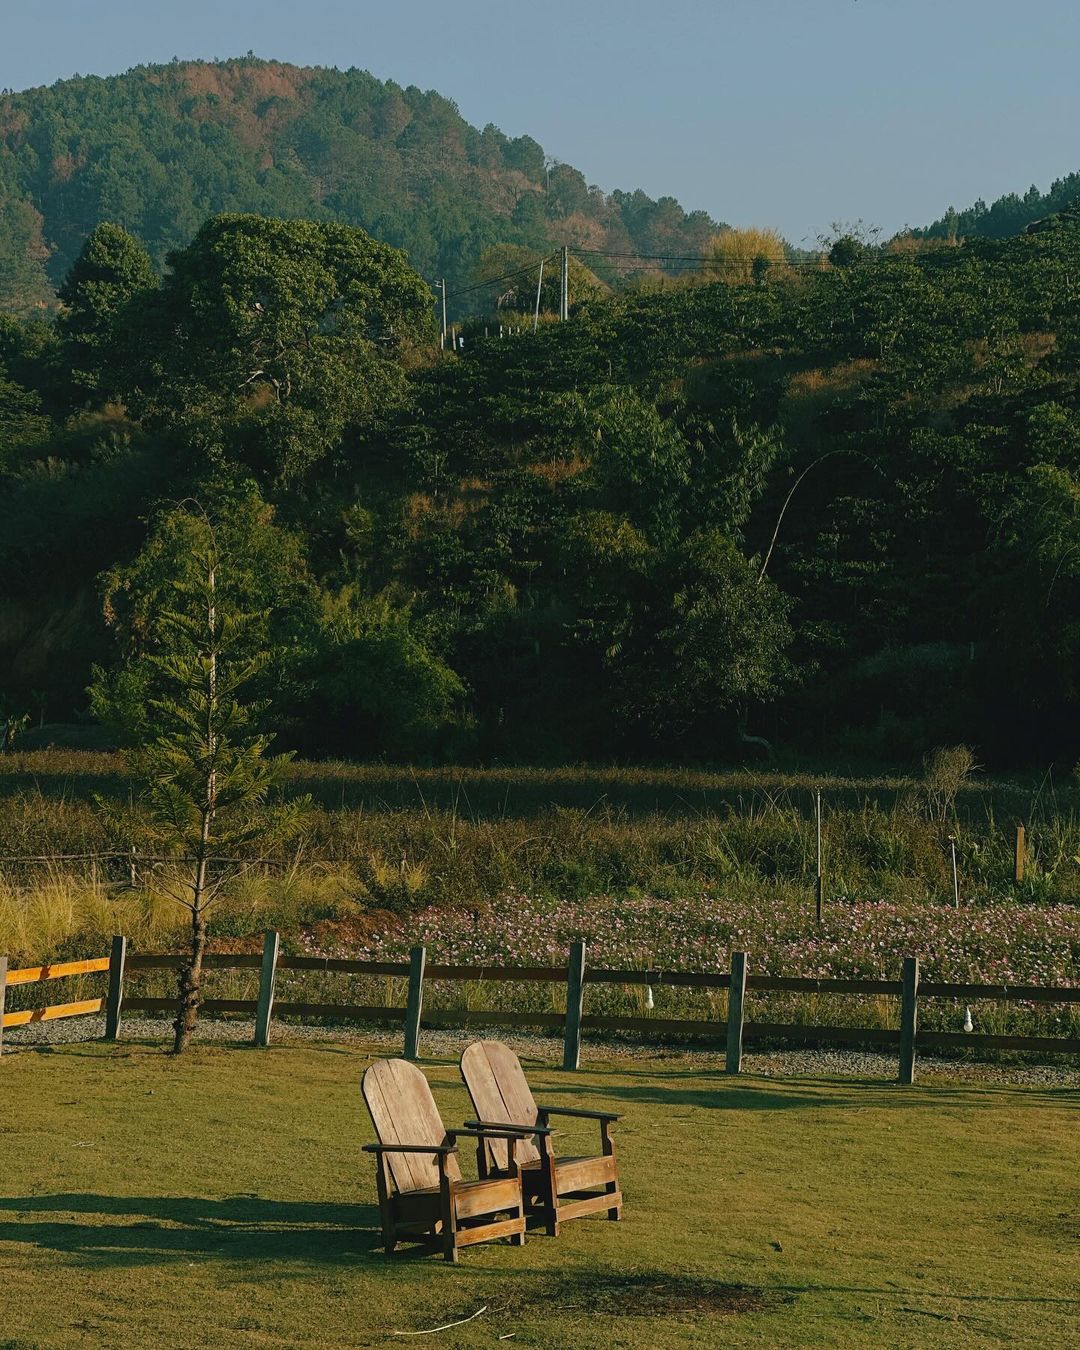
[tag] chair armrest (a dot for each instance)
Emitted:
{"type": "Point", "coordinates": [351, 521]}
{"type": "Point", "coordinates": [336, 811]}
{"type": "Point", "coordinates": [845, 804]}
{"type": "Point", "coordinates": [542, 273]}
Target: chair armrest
{"type": "Point", "coordinates": [487, 1126]}
{"type": "Point", "coordinates": [574, 1111]}
{"type": "Point", "coordinates": [410, 1148]}
{"type": "Point", "coordinates": [495, 1132]}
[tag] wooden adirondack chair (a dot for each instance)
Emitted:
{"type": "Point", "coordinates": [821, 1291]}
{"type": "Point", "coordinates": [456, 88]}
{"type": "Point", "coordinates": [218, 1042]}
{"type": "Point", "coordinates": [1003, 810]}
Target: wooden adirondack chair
{"type": "Point", "coordinates": [422, 1197]}
{"type": "Point", "coordinates": [555, 1188]}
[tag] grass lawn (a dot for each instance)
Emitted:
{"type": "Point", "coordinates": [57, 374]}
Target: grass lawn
{"type": "Point", "coordinates": [221, 1200]}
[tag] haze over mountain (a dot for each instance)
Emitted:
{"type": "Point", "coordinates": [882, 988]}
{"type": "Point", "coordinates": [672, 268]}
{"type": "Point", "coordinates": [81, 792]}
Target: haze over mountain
{"type": "Point", "coordinates": [158, 149]}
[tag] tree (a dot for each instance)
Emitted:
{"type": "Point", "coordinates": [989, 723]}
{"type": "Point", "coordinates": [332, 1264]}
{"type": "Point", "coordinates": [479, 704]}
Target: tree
{"type": "Point", "coordinates": [267, 579]}
{"type": "Point", "coordinates": [202, 759]}
{"type": "Point", "coordinates": [518, 292]}
{"type": "Point", "coordinates": [273, 337]}
{"type": "Point", "coordinates": [700, 640]}
{"type": "Point", "coordinates": [111, 270]}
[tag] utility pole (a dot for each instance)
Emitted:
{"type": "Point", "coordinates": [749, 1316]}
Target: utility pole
{"type": "Point", "coordinates": [442, 340]}
{"type": "Point", "coordinates": [564, 289]}
{"type": "Point", "coordinates": [539, 284]}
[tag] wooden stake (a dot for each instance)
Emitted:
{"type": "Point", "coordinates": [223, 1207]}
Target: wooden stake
{"type": "Point", "coordinates": [575, 1005]}
{"type": "Point", "coordinates": [820, 879]}
{"type": "Point", "coordinates": [955, 875]}
{"type": "Point", "coordinates": [3, 992]}
{"type": "Point", "coordinates": [414, 1005]}
{"type": "Point", "coordinates": [736, 1004]}
{"type": "Point", "coordinates": [1021, 854]}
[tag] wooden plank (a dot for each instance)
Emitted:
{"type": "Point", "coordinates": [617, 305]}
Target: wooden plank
{"type": "Point", "coordinates": [584, 1173]}
{"type": "Point", "coordinates": [798, 1031]}
{"type": "Point", "coordinates": [487, 1197]}
{"type": "Point", "coordinates": [414, 1004]}
{"type": "Point", "coordinates": [487, 1232]}
{"type": "Point", "coordinates": [212, 961]}
{"type": "Point", "coordinates": [575, 1001]}
{"type": "Point", "coordinates": [343, 1012]}
{"type": "Point", "coordinates": [578, 1209]}
{"type": "Point", "coordinates": [208, 1005]}
{"type": "Point", "coordinates": [736, 1013]}
{"type": "Point", "coordinates": [57, 971]}
{"type": "Point", "coordinates": [538, 974]}
{"type": "Point", "coordinates": [909, 1019]}
{"type": "Point", "coordinates": [55, 1013]}
{"type": "Point", "coordinates": [676, 1025]}
{"type": "Point", "coordinates": [799, 984]}
{"type": "Point", "coordinates": [454, 1017]}
{"type": "Point", "coordinates": [691, 979]}
{"type": "Point", "coordinates": [953, 1040]}
{"type": "Point", "coordinates": [115, 998]}
{"type": "Point", "coordinates": [340, 966]}
{"type": "Point", "coordinates": [267, 981]}
{"type": "Point", "coordinates": [1012, 993]}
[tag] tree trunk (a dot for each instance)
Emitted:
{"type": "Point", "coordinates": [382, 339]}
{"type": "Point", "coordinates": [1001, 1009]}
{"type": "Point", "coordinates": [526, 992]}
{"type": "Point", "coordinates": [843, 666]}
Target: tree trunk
{"type": "Point", "coordinates": [187, 1013]}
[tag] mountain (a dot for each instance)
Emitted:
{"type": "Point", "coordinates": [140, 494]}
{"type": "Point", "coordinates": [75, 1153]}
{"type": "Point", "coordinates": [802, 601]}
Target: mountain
{"type": "Point", "coordinates": [158, 149]}
{"type": "Point", "coordinates": [1009, 215]}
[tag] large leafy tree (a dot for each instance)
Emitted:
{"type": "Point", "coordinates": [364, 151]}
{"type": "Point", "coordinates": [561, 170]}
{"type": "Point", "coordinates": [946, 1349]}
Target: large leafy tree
{"type": "Point", "coordinates": [273, 337]}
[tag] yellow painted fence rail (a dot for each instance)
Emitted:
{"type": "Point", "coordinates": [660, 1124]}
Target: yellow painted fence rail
{"type": "Point", "coordinates": [734, 1031]}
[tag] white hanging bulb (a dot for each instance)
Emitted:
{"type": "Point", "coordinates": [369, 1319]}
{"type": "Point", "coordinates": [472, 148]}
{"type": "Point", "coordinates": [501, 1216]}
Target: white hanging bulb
{"type": "Point", "coordinates": [968, 1024]}
{"type": "Point", "coordinates": [649, 1003]}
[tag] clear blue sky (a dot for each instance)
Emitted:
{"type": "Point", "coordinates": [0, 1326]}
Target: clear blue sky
{"type": "Point", "coordinates": [791, 113]}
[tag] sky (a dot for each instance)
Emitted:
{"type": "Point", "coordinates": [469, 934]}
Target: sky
{"type": "Point", "coordinates": [789, 113]}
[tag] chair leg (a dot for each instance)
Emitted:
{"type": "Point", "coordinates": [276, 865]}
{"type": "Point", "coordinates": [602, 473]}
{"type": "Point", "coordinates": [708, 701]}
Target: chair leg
{"type": "Point", "coordinates": [386, 1208]}
{"type": "Point", "coordinates": [518, 1239]}
{"type": "Point", "coordinates": [449, 1217]}
{"type": "Point", "coordinates": [550, 1188]}
{"type": "Point", "coordinates": [608, 1145]}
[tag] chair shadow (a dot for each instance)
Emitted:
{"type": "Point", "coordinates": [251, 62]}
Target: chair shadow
{"type": "Point", "coordinates": [109, 1230]}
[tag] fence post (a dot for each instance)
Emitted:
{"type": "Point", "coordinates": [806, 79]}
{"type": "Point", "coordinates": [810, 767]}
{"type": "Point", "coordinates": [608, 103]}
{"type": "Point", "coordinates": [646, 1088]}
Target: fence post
{"type": "Point", "coordinates": [3, 993]}
{"type": "Point", "coordinates": [735, 1016]}
{"type": "Point", "coordinates": [267, 982]}
{"type": "Point", "coordinates": [415, 1004]}
{"type": "Point", "coordinates": [909, 1018]}
{"type": "Point", "coordinates": [1021, 855]}
{"type": "Point", "coordinates": [575, 1003]}
{"type": "Point", "coordinates": [115, 1001]}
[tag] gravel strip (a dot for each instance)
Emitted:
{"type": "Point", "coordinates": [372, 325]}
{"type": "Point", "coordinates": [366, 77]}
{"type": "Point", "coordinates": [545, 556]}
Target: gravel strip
{"type": "Point", "coordinates": [449, 1044]}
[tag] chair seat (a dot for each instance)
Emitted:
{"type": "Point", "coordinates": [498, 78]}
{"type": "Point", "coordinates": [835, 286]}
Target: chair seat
{"type": "Point", "coordinates": [471, 1198]}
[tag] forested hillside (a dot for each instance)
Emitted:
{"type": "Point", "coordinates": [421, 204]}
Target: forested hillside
{"type": "Point", "coordinates": [160, 148]}
{"type": "Point", "coordinates": [838, 507]}
{"type": "Point", "coordinates": [1008, 215]}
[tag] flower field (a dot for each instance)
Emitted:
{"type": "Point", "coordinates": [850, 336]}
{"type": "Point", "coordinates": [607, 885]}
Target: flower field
{"type": "Point", "coordinates": [663, 869]}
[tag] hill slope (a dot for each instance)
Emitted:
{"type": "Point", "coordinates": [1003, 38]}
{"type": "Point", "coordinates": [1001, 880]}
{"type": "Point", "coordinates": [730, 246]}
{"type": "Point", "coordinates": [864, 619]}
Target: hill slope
{"type": "Point", "coordinates": [160, 148]}
{"type": "Point", "coordinates": [1007, 216]}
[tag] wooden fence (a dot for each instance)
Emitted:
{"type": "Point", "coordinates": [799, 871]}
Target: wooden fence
{"type": "Point", "coordinates": [734, 1030]}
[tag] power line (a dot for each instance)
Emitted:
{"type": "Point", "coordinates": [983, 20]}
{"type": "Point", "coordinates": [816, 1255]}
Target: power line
{"type": "Point", "coordinates": [507, 276]}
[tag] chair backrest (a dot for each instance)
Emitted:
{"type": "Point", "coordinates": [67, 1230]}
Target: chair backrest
{"type": "Point", "coordinates": [501, 1095]}
{"type": "Point", "coordinates": [403, 1111]}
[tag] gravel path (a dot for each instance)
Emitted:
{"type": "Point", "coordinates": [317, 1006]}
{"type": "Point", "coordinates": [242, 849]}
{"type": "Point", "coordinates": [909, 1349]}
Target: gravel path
{"type": "Point", "coordinates": [448, 1044]}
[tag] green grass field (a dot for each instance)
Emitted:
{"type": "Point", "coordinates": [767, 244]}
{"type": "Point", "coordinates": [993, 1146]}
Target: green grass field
{"type": "Point", "coordinates": [222, 1200]}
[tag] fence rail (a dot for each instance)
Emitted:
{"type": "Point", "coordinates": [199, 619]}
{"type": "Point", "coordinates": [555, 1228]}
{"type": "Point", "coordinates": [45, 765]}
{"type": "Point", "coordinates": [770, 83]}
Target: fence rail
{"type": "Point", "coordinates": [733, 1029]}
